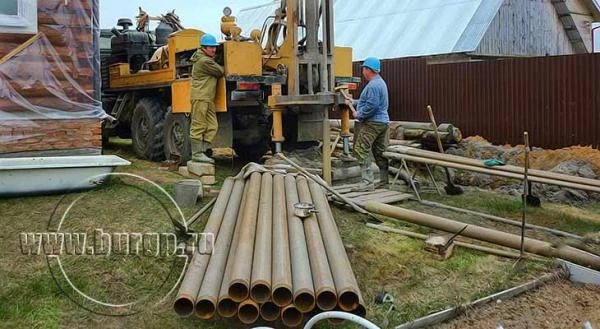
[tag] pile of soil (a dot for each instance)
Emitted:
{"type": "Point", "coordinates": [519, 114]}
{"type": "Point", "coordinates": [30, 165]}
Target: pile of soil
{"type": "Point", "coordinates": [577, 161]}
{"type": "Point", "coordinates": [561, 304]}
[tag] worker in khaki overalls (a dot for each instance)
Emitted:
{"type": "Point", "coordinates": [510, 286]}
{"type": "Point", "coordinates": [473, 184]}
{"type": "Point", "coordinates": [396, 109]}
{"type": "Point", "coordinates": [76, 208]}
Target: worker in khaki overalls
{"type": "Point", "coordinates": [371, 131]}
{"type": "Point", "coordinates": [205, 75]}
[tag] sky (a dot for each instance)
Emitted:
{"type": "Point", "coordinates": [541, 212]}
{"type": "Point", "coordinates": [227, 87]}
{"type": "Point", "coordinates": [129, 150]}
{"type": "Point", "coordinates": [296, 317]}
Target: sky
{"type": "Point", "coordinates": [200, 14]}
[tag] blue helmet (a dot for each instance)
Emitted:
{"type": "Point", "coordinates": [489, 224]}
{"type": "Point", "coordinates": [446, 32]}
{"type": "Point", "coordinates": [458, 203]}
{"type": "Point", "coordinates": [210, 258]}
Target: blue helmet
{"type": "Point", "coordinates": [373, 63]}
{"type": "Point", "coordinates": [208, 40]}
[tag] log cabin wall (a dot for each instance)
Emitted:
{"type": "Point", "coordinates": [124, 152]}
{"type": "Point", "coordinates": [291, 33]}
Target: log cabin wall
{"type": "Point", "coordinates": [49, 92]}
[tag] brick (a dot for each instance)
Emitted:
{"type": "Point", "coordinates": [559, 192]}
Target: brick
{"type": "Point", "coordinates": [201, 169]}
{"type": "Point", "coordinates": [208, 180]}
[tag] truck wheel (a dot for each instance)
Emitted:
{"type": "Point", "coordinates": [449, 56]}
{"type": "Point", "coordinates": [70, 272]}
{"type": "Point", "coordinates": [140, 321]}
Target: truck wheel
{"type": "Point", "coordinates": [177, 136]}
{"type": "Point", "coordinates": [147, 126]}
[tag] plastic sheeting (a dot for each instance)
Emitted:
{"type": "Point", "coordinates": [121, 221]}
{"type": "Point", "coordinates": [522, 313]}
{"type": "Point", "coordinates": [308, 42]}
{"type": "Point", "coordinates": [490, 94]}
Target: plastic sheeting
{"type": "Point", "coordinates": [55, 77]}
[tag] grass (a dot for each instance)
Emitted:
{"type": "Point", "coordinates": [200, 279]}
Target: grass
{"type": "Point", "coordinates": [29, 296]}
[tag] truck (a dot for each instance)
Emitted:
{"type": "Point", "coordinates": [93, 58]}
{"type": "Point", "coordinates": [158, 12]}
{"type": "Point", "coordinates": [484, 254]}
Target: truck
{"type": "Point", "coordinates": [146, 82]}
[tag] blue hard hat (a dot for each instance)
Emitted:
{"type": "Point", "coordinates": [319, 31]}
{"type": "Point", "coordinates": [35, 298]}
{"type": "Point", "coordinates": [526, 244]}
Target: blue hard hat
{"type": "Point", "coordinates": [373, 63]}
{"type": "Point", "coordinates": [208, 40]}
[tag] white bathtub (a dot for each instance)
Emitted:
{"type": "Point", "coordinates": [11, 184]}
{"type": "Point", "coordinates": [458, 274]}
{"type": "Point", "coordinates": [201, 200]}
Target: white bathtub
{"type": "Point", "coordinates": [42, 175]}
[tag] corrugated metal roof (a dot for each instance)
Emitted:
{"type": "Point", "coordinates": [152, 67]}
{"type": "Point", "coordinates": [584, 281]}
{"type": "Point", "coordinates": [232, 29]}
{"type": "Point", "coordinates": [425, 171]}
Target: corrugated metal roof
{"type": "Point", "coordinates": [394, 29]}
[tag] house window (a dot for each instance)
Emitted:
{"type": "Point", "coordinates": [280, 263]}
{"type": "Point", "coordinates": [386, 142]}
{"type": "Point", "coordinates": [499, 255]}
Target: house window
{"type": "Point", "coordinates": [18, 16]}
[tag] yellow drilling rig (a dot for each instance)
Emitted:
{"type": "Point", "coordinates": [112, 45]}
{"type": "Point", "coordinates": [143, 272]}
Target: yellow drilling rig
{"type": "Point", "coordinates": [277, 91]}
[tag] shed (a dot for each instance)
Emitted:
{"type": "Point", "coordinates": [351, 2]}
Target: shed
{"type": "Point", "coordinates": [49, 78]}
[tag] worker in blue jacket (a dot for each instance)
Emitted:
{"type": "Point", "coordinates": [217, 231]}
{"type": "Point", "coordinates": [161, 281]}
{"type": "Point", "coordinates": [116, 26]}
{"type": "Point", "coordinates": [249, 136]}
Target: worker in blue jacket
{"type": "Point", "coordinates": [371, 131]}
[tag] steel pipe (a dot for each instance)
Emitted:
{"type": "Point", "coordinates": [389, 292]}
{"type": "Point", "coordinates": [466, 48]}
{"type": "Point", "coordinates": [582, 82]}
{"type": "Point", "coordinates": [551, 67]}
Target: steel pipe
{"type": "Point", "coordinates": [184, 302]}
{"type": "Point", "coordinates": [260, 285]}
{"type": "Point", "coordinates": [239, 287]}
{"type": "Point", "coordinates": [281, 274]}
{"type": "Point", "coordinates": [489, 171]}
{"type": "Point", "coordinates": [492, 251]}
{"type": "Point", "coordinates": [345, 281]}
{"type": "Point", "coordinates": [502, 220]}
{"type": "Point", "coordinates": [291, 316]}
{"type": "Point", "coordinates": [321, 272]}
{"type": "Point", "coordinates": [209, 290]}
{"type": "Point", "coordinates": [248, 311]}
{"type": "Point", "coordinates": [269, 311]}
{"type": "Point", "coordinates": [505, 168]}
{"type": "Point", "coordinates": [226, 307]}
{"type": "Point", "coordinates": [304, 293]}
{"type": "Point", "coordinates": [484, 234]}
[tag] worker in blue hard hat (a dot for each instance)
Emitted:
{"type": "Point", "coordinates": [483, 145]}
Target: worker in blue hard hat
{"type": "Point", "coordinates": [205, 74]}
{"type": "Point", "coordinates": [371, 130]}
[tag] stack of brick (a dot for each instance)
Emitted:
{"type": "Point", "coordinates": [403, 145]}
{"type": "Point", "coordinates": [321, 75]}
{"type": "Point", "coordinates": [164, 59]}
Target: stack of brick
{"type": "Point", "coordinates": [205, 172]}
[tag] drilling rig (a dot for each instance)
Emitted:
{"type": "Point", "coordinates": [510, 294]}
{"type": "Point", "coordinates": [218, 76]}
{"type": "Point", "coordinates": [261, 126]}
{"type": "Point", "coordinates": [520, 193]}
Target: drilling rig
{"type": "Point", "coordinates": [277, 92]}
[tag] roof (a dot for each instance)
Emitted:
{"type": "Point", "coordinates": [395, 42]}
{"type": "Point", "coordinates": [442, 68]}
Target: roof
{"type": "Point", "coordinates": [394, 29]}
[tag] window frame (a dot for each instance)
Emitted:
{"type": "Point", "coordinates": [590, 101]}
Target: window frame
{"type": "Point", "coordinates": [26, 20]}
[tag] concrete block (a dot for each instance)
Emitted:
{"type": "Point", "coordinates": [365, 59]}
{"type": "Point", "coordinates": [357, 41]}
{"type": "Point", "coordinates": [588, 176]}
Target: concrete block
{"type": "Point", "coordinates": [183, 171]}
{"type": "Point", "coordinates": [201, 169]}
{"type": "Point", "coordinates": [208, 180]}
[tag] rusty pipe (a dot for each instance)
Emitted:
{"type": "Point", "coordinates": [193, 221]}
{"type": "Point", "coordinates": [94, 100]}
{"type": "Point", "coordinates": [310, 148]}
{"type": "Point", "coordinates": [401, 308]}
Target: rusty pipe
{"type": "Point", "coordinates": [281, 274]}
{"type": "Point", "coordinates": [260, 285]}
{"type": "Point", "coordinates": [226, 307]}
{"type": "Point", "coordinates": [509, 240]}
{"type": "Point", "coordinates": [489, 171]}
{"type": "Point", "coordinates": [291, 316]}
{"type": "Point", "coordinates": [345, 281]}
{"type": "Point", "coordinates": [248, 311]}
{"type": "Point", "coordinates": [321, 272]}
{"type": "Point", "coordinates": [269, 311]}
{"type": "Point", "coordinates": [506, 168]}
{"type": "Point", "coordinates": [304, 293]}
{"type": "Point", "coordinates": [184, 302]}
{"type": "Point", "coordinates": [239, 287]}
{"type": "Point", "coordinates": [209, 291]}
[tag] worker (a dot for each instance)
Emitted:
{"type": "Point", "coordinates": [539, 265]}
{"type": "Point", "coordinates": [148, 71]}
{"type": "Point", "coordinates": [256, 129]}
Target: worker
{"type": "Point", "coordinates": [205, 74]}
{"type": "Point", "coordinates": [371, 132]}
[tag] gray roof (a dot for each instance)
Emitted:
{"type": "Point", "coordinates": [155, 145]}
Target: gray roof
{"type": "Point", "coordinates": [399, 28]}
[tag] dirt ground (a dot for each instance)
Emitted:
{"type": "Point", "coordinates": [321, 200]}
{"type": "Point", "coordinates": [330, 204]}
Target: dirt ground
{"type": "Point", "coordinates": [560, 304]}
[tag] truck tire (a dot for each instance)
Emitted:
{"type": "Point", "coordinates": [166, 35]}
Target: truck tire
{"type": "Point", "coordinates": [177, 136]}
{"type": "Point", "coordinates": [147, 127]}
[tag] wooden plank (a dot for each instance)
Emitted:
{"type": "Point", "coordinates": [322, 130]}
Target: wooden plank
{"type": "Point", "coordinates": [20, 48]}
{"type": "Point", "coordinates": [357, 194]}
{"type": "Point", "coordinates": [143, 79]}
{"type": "Point", "coordinates": [376, 196]}
{"type": "Point", "coordinates": [388, 200]}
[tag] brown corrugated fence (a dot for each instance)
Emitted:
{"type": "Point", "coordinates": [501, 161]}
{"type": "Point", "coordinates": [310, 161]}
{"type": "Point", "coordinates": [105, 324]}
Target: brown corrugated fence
{"type": "Point", "coordinates": [555, 99]}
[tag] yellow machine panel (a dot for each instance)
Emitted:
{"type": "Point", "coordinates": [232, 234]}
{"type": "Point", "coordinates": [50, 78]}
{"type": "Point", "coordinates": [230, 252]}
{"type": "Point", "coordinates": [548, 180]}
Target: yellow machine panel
{"type": "Point", "coordinates": [184, 40]}
{"type": "Point", "coordinates": [121, 79]}
{"type": "Point", "coordinates": [242, 58]}
{"type": "Point", "coordinates": [180, 94]}
{"type": "Point", "coordinates": [342, 58]}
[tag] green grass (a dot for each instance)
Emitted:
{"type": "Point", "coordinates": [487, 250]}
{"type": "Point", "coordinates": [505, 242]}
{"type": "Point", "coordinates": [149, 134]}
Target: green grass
{"type": "Point", "coordinates": [381, 261]}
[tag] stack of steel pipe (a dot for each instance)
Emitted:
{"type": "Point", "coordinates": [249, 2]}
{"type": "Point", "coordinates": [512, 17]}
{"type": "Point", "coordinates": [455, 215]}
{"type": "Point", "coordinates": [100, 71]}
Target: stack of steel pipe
{"type": "Point", "coordinates": [509, 171]}
{"type": "Point", "coordinates": [268, 263]}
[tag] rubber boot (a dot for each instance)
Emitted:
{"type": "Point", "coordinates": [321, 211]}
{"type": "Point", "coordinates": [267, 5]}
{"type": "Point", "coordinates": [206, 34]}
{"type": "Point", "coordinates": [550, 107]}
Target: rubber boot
{"type": "Point", "coordinates": [384, 178]}
{"type": "Point", "coordinates": [198, 152]}
{"type": "Point", "coordinates": [208, 149]}
{"type": "Point", "coordinates": [367, 183]}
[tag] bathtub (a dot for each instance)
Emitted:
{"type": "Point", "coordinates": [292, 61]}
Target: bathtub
{"type": "Point", "coordinates": [45, 175]}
